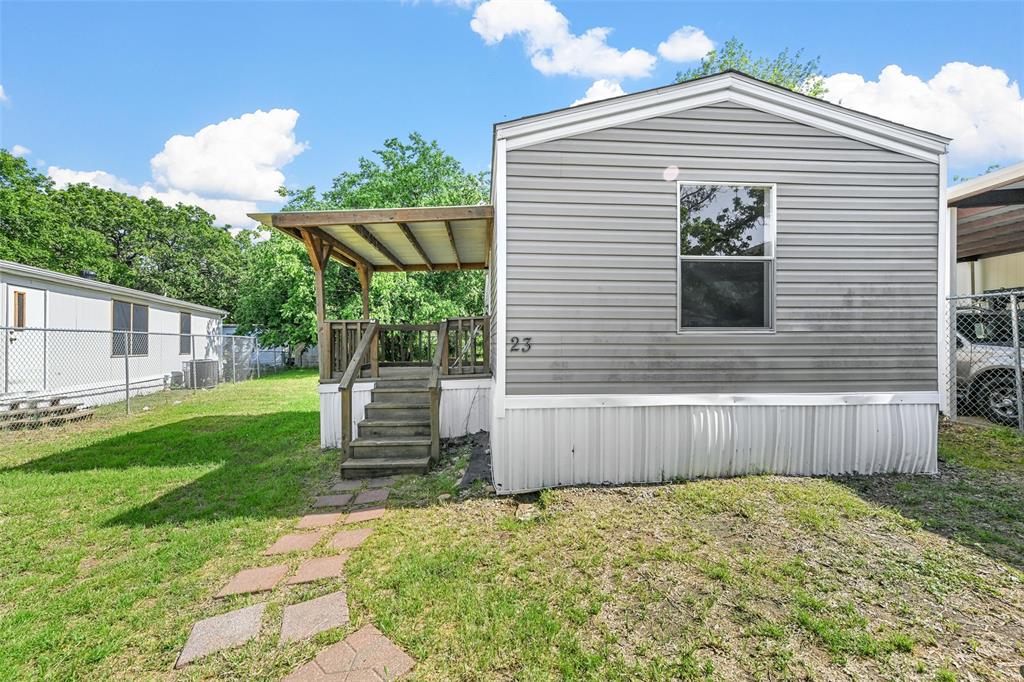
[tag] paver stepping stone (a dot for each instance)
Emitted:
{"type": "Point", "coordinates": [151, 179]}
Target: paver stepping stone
{"type": "Point", "coordinates": [318, 569]}
{"type": "Point", "coordinates": [367, 514]}
{"type": "Point", "coordinates": [381, 482]}
{"type": "Point", "coordinates": [372, 496]}
{"type": "Point", "coordinates": [220, 632]}
{"type": "Point", "coordinates": [254, 580]}
{"type": "Point", "coordinates": [364, 655]}
{"type": "Point", "coordinates": [343, 486]}
{"type": "Point", "coordinates": [348, 539]}
{"type": "Point", "coordinates": [300, 621]}
{"type": "Point", "coordinates": [319, 520]}
{"type": "Point", "coordinates": [295, 542]}
{"type": "Point", "coordinates": [332, 500]}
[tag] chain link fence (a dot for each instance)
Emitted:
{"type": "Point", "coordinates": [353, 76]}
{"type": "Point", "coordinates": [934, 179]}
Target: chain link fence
{"type": "Point", "coordinates": [984, 368]}
{"type": "Point", "coordinates": [52, 376]}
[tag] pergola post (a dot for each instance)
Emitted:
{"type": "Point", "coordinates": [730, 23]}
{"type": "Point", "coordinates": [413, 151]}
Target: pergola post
{"type": "Point", "coordinates": [319, 253]}
{"type": "Point", "coordinates": [365, 279]}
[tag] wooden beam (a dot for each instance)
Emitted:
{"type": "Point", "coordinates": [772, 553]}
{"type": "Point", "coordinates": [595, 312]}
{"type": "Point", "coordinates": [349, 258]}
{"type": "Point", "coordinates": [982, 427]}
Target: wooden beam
{"type": "Point", "coordinates": [365, 233]}
{"type": "Point", "coordinates": [319, 256]}
{"type": "Point", "coordinates": [381, 215]}
{"type": "Point", "coordinates": [365, 279]}
{"type": "Point", "coordinates": [416, 267]}
{"type": "Point", "coordinates": [994, 197]}
{"type": "Point", "coordinates": [451, 240]}
{"type": "Point", "coordinates": [488, 242]}
{"type": "Point", "coordinates": [344, 250]}
{"type": "Point", "coordinates": [407, 231]}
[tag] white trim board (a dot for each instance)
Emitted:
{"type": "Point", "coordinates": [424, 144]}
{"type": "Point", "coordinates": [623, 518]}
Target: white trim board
{"type": "Point", "coordinates": [727, 87]}
{"type": "Point", "coordinates": [526, 402]}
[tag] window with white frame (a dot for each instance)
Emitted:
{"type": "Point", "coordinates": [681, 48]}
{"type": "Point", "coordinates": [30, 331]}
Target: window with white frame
{"type": "Point", "coordinates": [726, 256]}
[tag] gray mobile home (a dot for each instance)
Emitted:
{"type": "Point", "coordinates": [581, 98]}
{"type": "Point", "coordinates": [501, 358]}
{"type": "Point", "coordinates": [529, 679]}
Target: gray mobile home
{"type": "Point", "coordinates": [713, 278]}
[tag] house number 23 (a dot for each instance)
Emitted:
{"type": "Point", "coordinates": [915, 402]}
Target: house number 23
{"type": "Point", "coordinates": [520, 346]}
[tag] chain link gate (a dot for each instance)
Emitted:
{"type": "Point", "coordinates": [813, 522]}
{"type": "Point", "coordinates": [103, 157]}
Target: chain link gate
{"type": "Point", "coordinates": [984, 367]}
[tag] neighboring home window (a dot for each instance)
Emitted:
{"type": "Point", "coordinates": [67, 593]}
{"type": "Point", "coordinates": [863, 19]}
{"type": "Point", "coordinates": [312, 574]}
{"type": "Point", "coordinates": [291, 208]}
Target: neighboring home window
{"type": "Point", "coordinates": [185, 329]}
{"type": "Point", "coordinates": [19, 309]}
{"type": "Point", "coordinates": [726, 256]}
{"type": "Point", "coordinates": [132, 318]}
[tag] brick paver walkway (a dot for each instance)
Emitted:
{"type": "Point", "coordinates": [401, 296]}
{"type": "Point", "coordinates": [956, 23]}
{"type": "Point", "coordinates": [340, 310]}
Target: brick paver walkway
{"type": "Point", "coordinates": [319, 569]}
{"type": "Point", "coordinates": [364, 655]}
{"type": "Point", "coordinates": [300, 621]}
{"type": "Point", "coordinates": [295, 542]}
{"type": "Point", "coordinates": [220, 632]}
{"type": "Point", "coordinates": [254, 580]}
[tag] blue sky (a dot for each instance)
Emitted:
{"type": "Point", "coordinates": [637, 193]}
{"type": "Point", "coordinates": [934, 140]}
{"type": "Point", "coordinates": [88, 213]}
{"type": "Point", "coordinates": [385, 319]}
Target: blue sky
{"type": "Point", "coordinates": [93, 86]}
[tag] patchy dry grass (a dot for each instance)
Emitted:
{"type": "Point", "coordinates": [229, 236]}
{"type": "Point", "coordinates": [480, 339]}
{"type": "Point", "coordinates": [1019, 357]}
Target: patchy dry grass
{"type": "Point", "coordinates": [115, 535]}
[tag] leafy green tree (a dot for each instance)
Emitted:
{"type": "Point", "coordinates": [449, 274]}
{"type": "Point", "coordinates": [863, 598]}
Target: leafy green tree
{"type": "Point", "coordinates": [34, 231]}
{"type": "Point", "coordinates": [416, 172]}
{"type": "Point", "coordinates": [171, 250]}
{"type": "Point", "coordinates": [790, 71]}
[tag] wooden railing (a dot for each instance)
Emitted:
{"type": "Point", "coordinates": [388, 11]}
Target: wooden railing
{"type": "Point", "coordinates": [469, 346]}
{"type": "Point", "coordinates": [362, 352]}
{"type": "Point", "coordinates": [407, 345]}
{"type": "Point", "coordinates": [343, 337]}
{"type": "Point", "coordinates": [465, 350]}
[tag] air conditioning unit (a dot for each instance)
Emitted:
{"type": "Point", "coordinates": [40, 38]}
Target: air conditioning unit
{"type": "Point", "coordinates": [201, 373]}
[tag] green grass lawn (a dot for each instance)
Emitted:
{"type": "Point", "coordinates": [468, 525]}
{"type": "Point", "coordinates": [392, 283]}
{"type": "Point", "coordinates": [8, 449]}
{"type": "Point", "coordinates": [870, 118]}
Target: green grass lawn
{"type": "Point", "coordinates": [115, 534]}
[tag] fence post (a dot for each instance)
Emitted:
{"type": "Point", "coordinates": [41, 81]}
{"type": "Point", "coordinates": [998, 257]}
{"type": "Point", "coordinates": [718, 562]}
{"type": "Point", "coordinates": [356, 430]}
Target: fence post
{"type": "Point", "coordinates": [7, 363]}
{"type": "Point", "coordinates": [256, 341]}
{"type": "Point", "coordinates": [952, 388]}
{"type": "Point", "coordinates": [234, 379]}
{"type": "Point", "coordinates": [193, 364]}
{"type": "Point", "coordinates": [1015, 326]}
{"type": "Point", "coordinates": [127, 385]}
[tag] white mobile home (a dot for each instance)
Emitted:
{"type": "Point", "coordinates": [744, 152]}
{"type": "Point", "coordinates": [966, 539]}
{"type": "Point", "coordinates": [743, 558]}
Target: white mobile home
{"type": "Point", "coordinates": [73, 336]}
{"type": "Point", "coordinates": [712, 278]}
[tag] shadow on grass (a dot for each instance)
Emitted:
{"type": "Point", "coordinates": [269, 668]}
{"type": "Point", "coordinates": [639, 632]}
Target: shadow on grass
{"type": "Point", "coordinates": [266, 466]}
{"type": "Point", "coordinates": [975, 500]}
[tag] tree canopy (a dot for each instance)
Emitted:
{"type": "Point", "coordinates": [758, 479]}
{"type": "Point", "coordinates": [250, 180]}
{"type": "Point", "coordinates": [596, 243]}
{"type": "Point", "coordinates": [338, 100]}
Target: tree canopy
{"type": "Point", "coordinates": [175, 251]}
{"type": "Point", "coordinates": [788, 70]}
{"type": "Point", "coordinates": [413, 172]}
{"type": "Point", "coordinates": [266, 284]}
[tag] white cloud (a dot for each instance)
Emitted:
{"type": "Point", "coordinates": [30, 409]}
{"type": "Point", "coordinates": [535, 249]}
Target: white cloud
{"type": "Point", "coordinates": [688, 44]}
{"type": "Point", "coordinates": [240, 157]}
{"type": "Point", "coordinates": [552, 47]}
{"type": "Point", "coordinates": [225, 168]}
{"type": "Point", "coordinates": [19, 150]}
{"type": "Point", "coordinates": [601, 89]}
{"type": "Point", "coordinates": [66, 176]}
{"type": "Point", "coordinates": [977, 106]}
{"type": "Point", "coordinates": [4, 99]}
{"type": "Point", "coordinates": [228, 211]}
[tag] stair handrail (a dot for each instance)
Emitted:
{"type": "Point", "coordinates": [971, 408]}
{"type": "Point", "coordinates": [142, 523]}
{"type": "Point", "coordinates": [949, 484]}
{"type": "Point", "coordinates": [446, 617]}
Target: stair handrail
{"type": "Point", "coordinates": [349, 378]}
{"type": "Point", "coordinates": [434, 384]}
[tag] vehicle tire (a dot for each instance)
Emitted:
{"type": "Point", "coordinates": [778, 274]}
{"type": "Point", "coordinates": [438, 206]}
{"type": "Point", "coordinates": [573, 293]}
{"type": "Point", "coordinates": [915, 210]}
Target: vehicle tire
{"type": "Point", "coordinates": [998, 397]}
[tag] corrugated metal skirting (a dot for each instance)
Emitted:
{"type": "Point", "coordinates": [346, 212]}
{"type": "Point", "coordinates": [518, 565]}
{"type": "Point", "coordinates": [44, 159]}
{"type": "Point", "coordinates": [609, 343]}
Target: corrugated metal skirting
{"type": "Point", "coordinates": [465, 407]}
{"type": "Point", "coordinates": [330, 412]}
{"type": "Point", "coordinates": [548, 447]}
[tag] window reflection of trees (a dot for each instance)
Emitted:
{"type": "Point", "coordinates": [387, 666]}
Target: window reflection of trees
{"type": "Point", "coordinates": [713, 224]}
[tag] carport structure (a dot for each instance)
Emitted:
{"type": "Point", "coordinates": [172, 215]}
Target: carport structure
{"type": "Point", "coordinates": [987, 219]}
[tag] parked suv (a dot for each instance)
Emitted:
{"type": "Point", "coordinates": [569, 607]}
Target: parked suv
{"type": "Point", "coordinates": [985, 359]}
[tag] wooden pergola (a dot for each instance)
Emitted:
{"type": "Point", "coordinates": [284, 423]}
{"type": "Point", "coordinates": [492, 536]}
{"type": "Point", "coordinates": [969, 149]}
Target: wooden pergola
{"type": "Point", "coordinates": [381, 240]}
{"type": "Point", "coordinates": [389, 240]}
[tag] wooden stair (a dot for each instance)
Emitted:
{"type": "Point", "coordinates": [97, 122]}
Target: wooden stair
{"type": "Point", "coordinates": [394, 438]}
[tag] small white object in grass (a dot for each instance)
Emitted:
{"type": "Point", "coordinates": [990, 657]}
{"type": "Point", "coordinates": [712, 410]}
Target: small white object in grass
{"type": "Point", "coordinates": [177, 402]}
{"type": "Point", "coordinates": [145, 408]}
{"type": "Point", "coordinates": [444, 498]}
